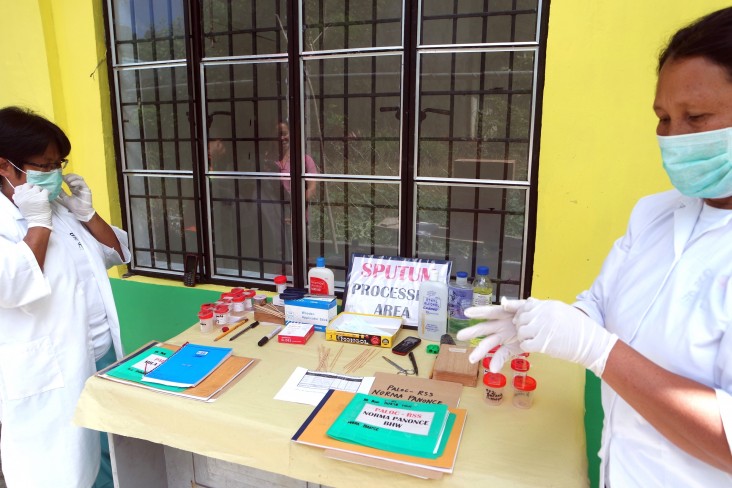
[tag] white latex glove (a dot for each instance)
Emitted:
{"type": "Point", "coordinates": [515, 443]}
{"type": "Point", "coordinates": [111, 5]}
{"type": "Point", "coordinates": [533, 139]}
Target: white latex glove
{"type": "Point", "coordinates": [564, 332]}
{"type": "Point", "coordinates": [498, 329]}
{"type": "Point", "coordinates": [80, 200]}
{"type": "Point", "coordinates": [32, 201]}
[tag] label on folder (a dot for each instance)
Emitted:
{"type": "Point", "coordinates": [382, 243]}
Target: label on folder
{"type": "Point", "coordinates": [189, 365]}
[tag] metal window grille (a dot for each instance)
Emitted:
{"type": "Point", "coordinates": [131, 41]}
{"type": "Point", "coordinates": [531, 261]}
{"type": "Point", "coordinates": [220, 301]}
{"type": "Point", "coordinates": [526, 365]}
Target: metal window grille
{"type": "Point", "coordinates": [412, 131]}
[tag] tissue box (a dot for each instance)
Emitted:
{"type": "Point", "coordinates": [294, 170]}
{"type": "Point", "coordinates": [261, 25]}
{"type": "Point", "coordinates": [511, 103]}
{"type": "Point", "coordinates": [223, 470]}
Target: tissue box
{"type": "Point", "coordinates": [361, 328]}
{"type": "Point", "coordinates": [296, 333]}
{"type": "Point", "coordinates": [311, 310]}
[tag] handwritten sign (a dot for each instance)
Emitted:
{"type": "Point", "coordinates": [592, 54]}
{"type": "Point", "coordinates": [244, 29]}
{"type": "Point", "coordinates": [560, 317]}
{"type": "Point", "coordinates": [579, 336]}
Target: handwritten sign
{"type": "Point", "coordinates": [415, 389]}
{"type": "Point", "coordinates": [387, 285]}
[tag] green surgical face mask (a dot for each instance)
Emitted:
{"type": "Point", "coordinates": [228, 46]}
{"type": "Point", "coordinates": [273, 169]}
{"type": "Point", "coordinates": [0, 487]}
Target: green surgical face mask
{"type": "Point", "coordinates": [699, 165]}
{"type": "Point", "coordinates": [49, 180]}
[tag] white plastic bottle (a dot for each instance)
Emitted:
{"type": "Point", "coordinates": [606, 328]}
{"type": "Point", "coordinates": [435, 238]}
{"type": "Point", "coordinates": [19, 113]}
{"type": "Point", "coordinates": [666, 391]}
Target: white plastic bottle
{"type": "Point", "coordinates": [432, 315]}
{"type": "Point", "coordinates": [460, 297]}
{"type": "Point", "coordinates": [321, 280]}
{"type": "Point", "coordinates": [482, 287]}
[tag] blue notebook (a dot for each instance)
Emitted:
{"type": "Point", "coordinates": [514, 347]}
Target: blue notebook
{"type": "Point", "coordinates": [189, 365]}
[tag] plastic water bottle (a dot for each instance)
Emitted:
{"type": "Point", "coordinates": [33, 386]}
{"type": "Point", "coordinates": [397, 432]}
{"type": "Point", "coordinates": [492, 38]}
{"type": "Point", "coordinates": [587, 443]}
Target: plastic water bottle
{"type": "Point", "coordinates": [459, 297]}
{"type": "Point", "coordinates": [482, 288]}
{"type": "Point", "coordinates": [432, 315]}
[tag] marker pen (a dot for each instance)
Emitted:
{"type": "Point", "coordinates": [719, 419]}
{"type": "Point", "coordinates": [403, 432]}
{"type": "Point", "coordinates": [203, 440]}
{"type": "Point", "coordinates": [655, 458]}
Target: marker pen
{"type": "Point", "coordinates": [266, 338]}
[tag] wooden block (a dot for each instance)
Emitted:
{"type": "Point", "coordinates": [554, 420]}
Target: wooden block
{"type": "Point", "coordinates": [452, 364]}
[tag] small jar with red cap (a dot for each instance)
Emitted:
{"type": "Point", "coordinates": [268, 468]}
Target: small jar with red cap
{"type": "Point", "coordinates": [238, 308]}
{"type": "Point", "coordinates": [520, 366]}
{"type": "Point", "coordinates": [281, 284]}
{"type": "Point", "coordinates": [249, 299]}
{"type": "Point", "coordinates": [494, 384]}
{"type": "Point", "coordinates": [221, 312]}
{"type": "Point", "coordinates": [206, 319]}
{"type": "Point", "coordinates": [523, 391]}
{"type": "Point", "coordinates": [487, 364]}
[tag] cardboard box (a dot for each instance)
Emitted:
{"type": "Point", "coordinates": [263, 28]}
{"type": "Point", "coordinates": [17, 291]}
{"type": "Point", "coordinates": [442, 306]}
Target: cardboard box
{"type": "Point", "coordinates": [296, 333]}
{"type": "Point", "coordinates": [366, 329]}
{"type": "Point", "coordinates": [311, 310]}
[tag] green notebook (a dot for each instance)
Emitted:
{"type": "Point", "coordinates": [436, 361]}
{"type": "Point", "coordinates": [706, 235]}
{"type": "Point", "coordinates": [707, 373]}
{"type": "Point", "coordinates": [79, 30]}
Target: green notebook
{"type": "Point", "coordinates": [137, 366]}
{"type": "Point", "coordinates": [411, 428]}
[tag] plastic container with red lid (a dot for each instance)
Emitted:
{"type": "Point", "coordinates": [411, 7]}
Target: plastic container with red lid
{"type": "Point", "coordinates": [520, 366]}
{"type": "Point", "coordinates": [494, 384]}
{"type": "Point", "coordinates": [222, 314]}
{"type": "Point", "coordinates": [523, 391]}
{"type": "Point", "coordinates": [206, 320]}
{"type": "Point", "coordinates": [487, 364]}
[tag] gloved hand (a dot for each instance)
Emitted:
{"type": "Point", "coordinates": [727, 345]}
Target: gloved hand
{"type": "Point", "coordinates": [498, 329]}
{"type": "Point", "coordinates": [32, 201]}
{"type": "Point", "coordinates": [80, 200]}
{"type": "Point", "coordinates": [564, 332]}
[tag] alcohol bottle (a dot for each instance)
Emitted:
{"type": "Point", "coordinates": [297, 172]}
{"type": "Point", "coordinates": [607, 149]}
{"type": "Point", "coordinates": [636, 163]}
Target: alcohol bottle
{"type": "Point", "coordinates": [321, 280]}
{"type": "Point", "coordinates": [459, 297]}
{"type": "Point", "coordinates": [432, 315]}
{"type": "Point", "coordinates": [482, 287]}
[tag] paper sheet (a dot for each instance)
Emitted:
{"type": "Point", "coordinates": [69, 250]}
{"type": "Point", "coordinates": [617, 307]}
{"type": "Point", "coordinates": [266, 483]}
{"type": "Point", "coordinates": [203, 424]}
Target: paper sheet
{"type": "Point", "coordinates": [309, 387]}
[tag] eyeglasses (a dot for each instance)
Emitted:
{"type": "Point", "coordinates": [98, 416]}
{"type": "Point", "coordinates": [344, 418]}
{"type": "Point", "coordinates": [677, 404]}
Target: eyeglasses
{"type": "Point", "coordinates": [60, 164]}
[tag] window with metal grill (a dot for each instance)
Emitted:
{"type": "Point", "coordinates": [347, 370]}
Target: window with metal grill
{"type": "Point", "coordinates": [262, 134]}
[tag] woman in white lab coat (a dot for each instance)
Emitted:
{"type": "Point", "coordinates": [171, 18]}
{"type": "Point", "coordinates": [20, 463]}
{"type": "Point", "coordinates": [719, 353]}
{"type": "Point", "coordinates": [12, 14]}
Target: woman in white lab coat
{"type": "Point", "coordinates": [656, 325]}
{"type": "Point", "coordinates": [57, 313]}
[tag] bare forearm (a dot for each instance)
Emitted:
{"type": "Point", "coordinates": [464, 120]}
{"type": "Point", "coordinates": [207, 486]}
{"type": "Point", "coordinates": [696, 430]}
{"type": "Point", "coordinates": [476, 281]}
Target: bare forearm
{"type": "Point", "coordinates": [103, 233]}
{"type": "Point", "coordinates": [684, 411]}
{"type": "Point", "coordinates": [37, 240]}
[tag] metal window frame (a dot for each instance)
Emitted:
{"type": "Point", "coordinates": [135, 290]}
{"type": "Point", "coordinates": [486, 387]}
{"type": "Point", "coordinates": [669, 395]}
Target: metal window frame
{"type": "Point", "coordinates": [411, 51]}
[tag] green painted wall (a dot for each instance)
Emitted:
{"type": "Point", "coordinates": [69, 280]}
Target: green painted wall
{"type": "Point", "coordinates": [156, 312]}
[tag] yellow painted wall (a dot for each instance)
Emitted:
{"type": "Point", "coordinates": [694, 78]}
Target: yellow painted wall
{"type": "Point", "coordinates": [598, 151]}
{"type": "Point", "coordinates": [52, 60]}
{"type": "Point", "coordinates": [598, 147]}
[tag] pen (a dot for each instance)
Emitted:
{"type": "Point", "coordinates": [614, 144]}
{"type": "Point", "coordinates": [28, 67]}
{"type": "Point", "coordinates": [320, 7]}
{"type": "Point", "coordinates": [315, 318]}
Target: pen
{"type": "Point", "coordinates": [414, 363]}
{"type": "Point", "coordinates": [232, 329]}
{"type": "Point", "coordinates": [250, 326]}
{"type": "Point", "coordinates": [266, 338]}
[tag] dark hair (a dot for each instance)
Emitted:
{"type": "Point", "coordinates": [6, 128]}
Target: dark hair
{"type": "Point", "coordinates": [24, 134]}
{"type": "Point", "coordinates": [708, 37]}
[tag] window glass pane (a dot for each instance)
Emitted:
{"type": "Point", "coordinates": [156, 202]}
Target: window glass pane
{"type": "Point", "coordinates": [344, 218]}
{"type": "Point", "coordinates": [351, 114]}
{"type": "Point", "coordinates": [478, 21]}
{"type": "Point", "coordinates": [162, 220]}
{"type": "Point", "coordinates": [243, 27]}
{"type": "Point", "coordinates": [155, 121]}
{"type": "Point", "coordinates": [337, 24]}
{"type": "Point", "coordinates": [149, 30]}
{"type": "Point", "coordinates": [476, 113]}
{"type": "Point", "coordinates": [474, 227]}
{"type": "Point", "coordinates": [244, 104]}
{"type": "Point", "coordinates": [251, 221]}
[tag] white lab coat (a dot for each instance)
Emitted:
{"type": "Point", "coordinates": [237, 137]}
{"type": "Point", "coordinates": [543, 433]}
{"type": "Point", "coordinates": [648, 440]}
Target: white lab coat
{"type": "Point", "coordinates": [670, 298]}
{"type": "Point", "coordinates": [46, 352]}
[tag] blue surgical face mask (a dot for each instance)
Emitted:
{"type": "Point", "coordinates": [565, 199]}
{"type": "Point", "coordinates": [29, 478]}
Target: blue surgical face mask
{"type": "Point", "coordinates": [699, 165]}
{"type": "Point", "coordinates": [49, 180]}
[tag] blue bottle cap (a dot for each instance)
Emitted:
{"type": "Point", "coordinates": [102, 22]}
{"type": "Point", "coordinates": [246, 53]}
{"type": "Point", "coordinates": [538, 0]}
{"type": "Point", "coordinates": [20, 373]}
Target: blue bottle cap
{"type": "Point", "coordinates": [320, 262]}
{"type": "Point", "coordinates": [462, 274]}
{"type": "Point", "coordinates": [483, 270]}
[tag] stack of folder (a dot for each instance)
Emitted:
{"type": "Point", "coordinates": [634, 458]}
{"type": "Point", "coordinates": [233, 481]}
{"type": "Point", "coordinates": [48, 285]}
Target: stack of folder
{"type": "Point", "coordinates": [193, 371]}
{"type": "Point", "coordinates": [418, 439]}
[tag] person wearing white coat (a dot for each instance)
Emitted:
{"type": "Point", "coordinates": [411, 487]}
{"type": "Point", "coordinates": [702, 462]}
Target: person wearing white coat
{"type": "Point", "coordinates": [656, 325]}
{"type": "Point", "coordinates": [57, 313]}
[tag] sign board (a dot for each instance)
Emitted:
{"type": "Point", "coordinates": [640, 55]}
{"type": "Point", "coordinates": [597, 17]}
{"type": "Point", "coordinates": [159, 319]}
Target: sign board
{"type": "Point", "coordinates": [389, 285]}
